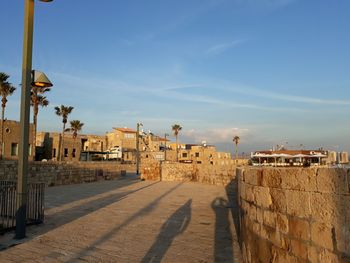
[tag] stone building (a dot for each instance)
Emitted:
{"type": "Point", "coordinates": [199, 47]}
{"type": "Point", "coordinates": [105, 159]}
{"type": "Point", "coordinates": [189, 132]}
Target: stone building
{"type": "Point", "coordinates": [203, 154]}
{"type": "Point", "coordinates": [11, 140]}
{"type": "Point", "coordinates": [49, 143]}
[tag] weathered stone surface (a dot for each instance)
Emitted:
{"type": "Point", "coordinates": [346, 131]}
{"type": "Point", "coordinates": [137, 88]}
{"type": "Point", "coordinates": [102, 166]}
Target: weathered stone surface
{"type": "Point", "coordinates": [298, 203]}
{"type": "Point", "coordinates": [270, 218]}
{"type": "Point", "coordinates": [329, 257]}
{"type": "Point", "coordinates": [262, 196]}
{"type": "Point", "coordinates": [321, 235]}
{"type": "Point", "coordinates": [299, 249]}
{"type": "Point", "coordinates": [332, 181]}
{"type": "Point", "coordinates": [279, 200]}
{"type": "Point", "coordinates": [282, 223]}
{"type": "Point", "coordinates": [299, 228]}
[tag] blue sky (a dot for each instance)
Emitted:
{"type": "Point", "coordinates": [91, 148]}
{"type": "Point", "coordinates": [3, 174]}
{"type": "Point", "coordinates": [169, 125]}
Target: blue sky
{"type": "Point", "coordinates": [270, 71]}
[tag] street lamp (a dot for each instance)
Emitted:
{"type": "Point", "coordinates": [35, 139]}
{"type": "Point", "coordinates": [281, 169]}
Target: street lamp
{"type": "Point", "coordinates": [165, 135]}
{"type": "Point", "coordinates": [138, 148]}
{"type": "Point", "coordinates": [24, 119]}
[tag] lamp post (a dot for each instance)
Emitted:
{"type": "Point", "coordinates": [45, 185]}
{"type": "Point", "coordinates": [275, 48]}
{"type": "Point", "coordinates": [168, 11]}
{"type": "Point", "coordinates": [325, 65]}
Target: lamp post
{"type": "Point", "coordinates": [165, 135]}
{"type": "Point", "coordinates": [24, 119]}
{"type": "Point", "coordinates": [138, 148]}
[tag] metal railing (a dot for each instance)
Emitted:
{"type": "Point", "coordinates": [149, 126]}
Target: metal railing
{"type": "Point", "coordinates": [8, 197]}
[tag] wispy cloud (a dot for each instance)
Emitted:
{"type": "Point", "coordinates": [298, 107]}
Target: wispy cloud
{"type": "Point", "coordinates": [216, 135]}
{"type": "Point", "coordinates": [222, 47]}
{"type": "Point", "coordinates": [264, 93]}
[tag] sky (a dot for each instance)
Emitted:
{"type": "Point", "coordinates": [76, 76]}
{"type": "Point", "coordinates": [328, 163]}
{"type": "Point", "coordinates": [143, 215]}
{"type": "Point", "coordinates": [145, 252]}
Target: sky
{"type": "Point", "coordinates": [270, 71]}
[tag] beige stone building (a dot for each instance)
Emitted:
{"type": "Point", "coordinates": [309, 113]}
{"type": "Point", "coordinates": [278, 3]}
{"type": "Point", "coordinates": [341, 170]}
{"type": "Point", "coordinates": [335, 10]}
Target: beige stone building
{"type": "Point", "coordinates": [48, 145]}
{"type": "Point", "coordinates": [11, 140]}
{"type": "Point", "coordinates": [203, 154]}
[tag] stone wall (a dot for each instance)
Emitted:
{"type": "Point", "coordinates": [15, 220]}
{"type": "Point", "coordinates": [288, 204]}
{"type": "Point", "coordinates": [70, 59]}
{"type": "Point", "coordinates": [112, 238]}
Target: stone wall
{"type": "Point", "coordinates": [58, 173]}
{"type": "Point", "coordinates": [183, 172]}
{"type": "Point", "coordinates": [294, 214]}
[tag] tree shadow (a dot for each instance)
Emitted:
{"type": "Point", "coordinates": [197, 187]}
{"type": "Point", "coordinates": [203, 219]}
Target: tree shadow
{"type": "Point", "coordinates": [174, 226]}
{"type": "Point", "coordinates": [142, 212]}
{"type": "Point", "coordinates": [61, 217]}
{"type": "Point", "coordinates": [223, 248]}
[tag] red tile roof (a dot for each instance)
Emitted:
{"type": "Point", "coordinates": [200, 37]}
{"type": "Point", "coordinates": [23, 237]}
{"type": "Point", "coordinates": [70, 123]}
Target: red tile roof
{"type": "Point", "coordinates": [126, 130]}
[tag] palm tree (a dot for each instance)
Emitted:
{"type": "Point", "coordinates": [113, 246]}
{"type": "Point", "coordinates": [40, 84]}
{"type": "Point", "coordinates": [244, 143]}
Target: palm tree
{"type": "Point", "coordinates": [75, 127]}
{"type": "Point", "coordinates": [236, 140]}
{"type": "Point", "coordinates": [36, 101]}
{"type": "Point", "coordinates": [6, 89]}
{"type": "Point", "coordinates": [63, 112]}
{"type": "Point", "coordinates": [176, 128]}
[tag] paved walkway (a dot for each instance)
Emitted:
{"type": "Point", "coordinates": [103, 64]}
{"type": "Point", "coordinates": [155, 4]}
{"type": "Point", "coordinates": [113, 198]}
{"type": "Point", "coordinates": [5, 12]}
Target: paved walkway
{"type": "Point", "coordinates": [130, 221]}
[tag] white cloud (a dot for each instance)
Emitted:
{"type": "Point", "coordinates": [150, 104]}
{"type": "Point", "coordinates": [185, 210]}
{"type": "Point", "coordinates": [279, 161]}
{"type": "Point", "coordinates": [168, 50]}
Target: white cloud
{"type": "Point", "coordinates": [214, 135]}
{"type": "Point", "coordinates": [220, 48]}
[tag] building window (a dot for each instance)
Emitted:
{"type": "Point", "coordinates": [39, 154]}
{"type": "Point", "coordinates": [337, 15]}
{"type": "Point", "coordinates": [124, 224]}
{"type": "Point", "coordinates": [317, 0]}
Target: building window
{"type": "Point", "coordinates": [73, 152]}
{"type": "Point", "coordinates": [14, 149]}
{"type": "Point", "coordinates": [54, 152]}
{"type": "Point", "coordinates": [184, 155]}
{"type": "Point", "coordinates": [65, 152]}
{"type": "Point", "coordinates": [197, 154]}
{"type": "Point", "coordinates": [30, 149]}
{"type": "Point", "coordinates": [129, 136]}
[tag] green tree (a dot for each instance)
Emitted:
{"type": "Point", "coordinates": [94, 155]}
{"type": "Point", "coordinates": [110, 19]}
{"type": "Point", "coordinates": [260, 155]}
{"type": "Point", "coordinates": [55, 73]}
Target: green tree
{"type": "Point", "coordinates": [176, 128]}
{"type": "Point", "coordinates": [37, 100]}
{"type": "Point", "coordinates": [236, 140]}
{"type": "Point", "coordinates": [6, 89]}
{"type": "Point", "coordinates": [63, 111]}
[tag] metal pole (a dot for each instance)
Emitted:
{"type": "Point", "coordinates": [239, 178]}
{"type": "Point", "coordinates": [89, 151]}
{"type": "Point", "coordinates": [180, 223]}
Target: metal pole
{"type": "Point", "coordinates": [24, 120]}
{"type": "Point", "coordinates": [165, 135]}
{"type": "Point", "coordinates": [137, 149]}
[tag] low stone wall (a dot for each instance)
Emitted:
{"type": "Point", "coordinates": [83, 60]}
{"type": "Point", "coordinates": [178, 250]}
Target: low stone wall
{"type": "Point", "coordinates": [294, 214]}
{"type": "Point", "coordinates": [182, 172]}
{"type": "Point", "coordinates": [59, 173]}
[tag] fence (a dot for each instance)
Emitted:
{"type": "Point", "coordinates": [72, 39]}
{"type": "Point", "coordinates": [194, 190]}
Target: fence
{"type": "Point", "coordinates": [8, 197]}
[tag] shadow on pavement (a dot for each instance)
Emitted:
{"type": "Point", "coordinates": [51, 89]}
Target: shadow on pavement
{"type": "Point", "coordinates": [232, 196]}
{"type": "Point", "coordinates": [223, 248]}
{"type": "Point", "coordinates": [175, 225]}
{"type": "Point", "coordinates": [64, 216]}
{"type": "Point", "coordinates": [64, 194]}
{"type": "Point", "coordinates": [142, 212]}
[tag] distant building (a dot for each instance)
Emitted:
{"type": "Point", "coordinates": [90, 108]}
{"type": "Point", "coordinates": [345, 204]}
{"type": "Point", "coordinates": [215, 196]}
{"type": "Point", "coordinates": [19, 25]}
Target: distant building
{"type": "Point", "coordinates": [343, 157]}
{"type": "Point", "coordinates": [11, 140]}
{"type": "Point", "coordinates": [289, 158]}
{"type": "Point", "coordinates": [49, 145]}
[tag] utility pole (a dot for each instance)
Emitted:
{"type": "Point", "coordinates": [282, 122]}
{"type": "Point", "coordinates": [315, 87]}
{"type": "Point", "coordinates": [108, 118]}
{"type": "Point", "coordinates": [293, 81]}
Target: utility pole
{"type": "Point", "coordinates": [165, 135]}
{"type": "Point", "coordinates": [138, 148]}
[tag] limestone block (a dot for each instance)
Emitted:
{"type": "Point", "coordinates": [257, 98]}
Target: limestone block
{"type": "Point", "coordinates": [299, 249]}
{"type": "Point", "coordinates": [262, 196]}
{"type": "Point", "coordinates": [259, 215]}
{"type": "Point", "coordinates": [342, 238]}
{"type": "Point", "coordinates": [253, 176]}
{"type": "Point", "coordinates": [299, 179]}
{"type": "Point", "coordinates": [329, 208]}
{"type": "Point", "coordinates": [249, 193]}
{"type": "Point", "coordinates": [312, 254]}
{"type": "Point", "coordinates": [272, 177]}
{"type": "Point", "coordinates": [332, 180]}
{"type": "Point", "coordinates": [279, 200]}
{"type": "Point", "coordinates": [299, 228]}
{"type": "Point", "coordinates": [327, 256]}
{"type": "Point", "coordinates": [251, 212]}
{"type": "Point", "coordinates": [280, 255]}
{"type": "Point", "coordinates": [270, 218]}
{"type": "Point", "coordinates": [298, 203]}
{"type": "Point", "coordinates": [282, 223]}
{"type": "Point", "coordinates": [321, 235]}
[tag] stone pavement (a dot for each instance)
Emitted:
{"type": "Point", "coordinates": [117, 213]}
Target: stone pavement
{"type": "Point", "coordinates": [130, 221]}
